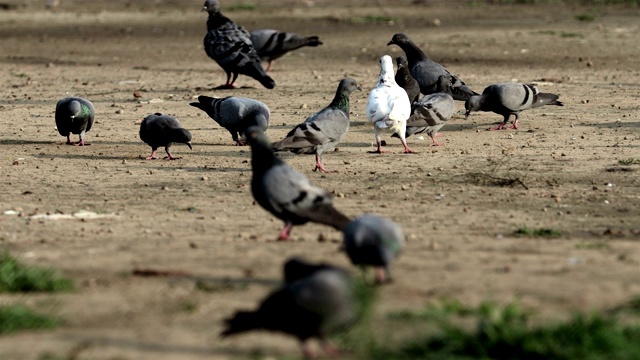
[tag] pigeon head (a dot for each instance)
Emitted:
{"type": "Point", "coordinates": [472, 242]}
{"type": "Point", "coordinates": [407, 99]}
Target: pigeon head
{"type": "Point", "coordinates": [212, 6]}
{"type": "Point", "coordinates": [349, 85]}
{"type": "Point", "coordinates": [473, 103]}
{"type": "Point", "coordinates": [399, 39]}
{"type": "Point", "coordinates": [386, 70]}
{"type": "Point", "coordinates": [75, 108]}
{"type": "Point", "coordinates": [182, 136]}
{"type": "Point", "coordinates": [401, 61]}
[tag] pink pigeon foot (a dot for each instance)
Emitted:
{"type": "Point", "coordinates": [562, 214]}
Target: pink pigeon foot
{"type": "Point", "coordinates": [380, 276]}
{"type": "Point", "coordinates": [284, 233]}
{"type": "Point", "coordinates": [514, 126]}
{"type": "Point", "coordinates": [81, 143]}
{"type": "Point", "coordinates": [499, 127]}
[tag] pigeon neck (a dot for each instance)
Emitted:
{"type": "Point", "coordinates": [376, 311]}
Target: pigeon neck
{"type": "Point", "coordinates": [216, 20]}
{"type": "Point", "coordinates": [413, 52]}
{"type": "Point", "coordinates": [341, 101]}
{"type": "Point", "coordinates": [262, 158]}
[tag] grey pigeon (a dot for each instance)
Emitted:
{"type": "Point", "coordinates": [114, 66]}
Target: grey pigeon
{"type": "Point", "coordinates": [323, 130]}
{"type": "Point", "coordinates": [285, 192]}
{"type": "Point", "coordinates": [432, 111]}
{"type": "Point", "coordinates": [372, 240]}
{"type": "Point", "coordinates": [296, 268]}
{"type": "Point", "coordinates": [406, 81]}
{"type": "Point", "coordinates": [509, 99]}
{"type": "Point", "coordinates": [388, 106]}
{"type": "Point", "coordinates": [230, 46]}
{"type": "Point", "coordinates": [272, 44]}
{"type": "Point", "coordinates": [427, 71]}
{"type": "Point", "coordinates": [236, 114]}
{"type": "Point", "coordinates": [74, 115]}
{"type": "Point", "coordinates": [162, 130]}
{"type": "Point", "coordinates": [313, 306]}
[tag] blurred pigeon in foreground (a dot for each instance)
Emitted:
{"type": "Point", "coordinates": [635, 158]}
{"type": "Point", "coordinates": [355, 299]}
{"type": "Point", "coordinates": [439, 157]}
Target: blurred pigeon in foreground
{"type": "Point", "coordinates": [509, 99]}
{"type": "Point", "coordinates": [236, 114]}
{"type": "Point", "coordinates": [162, 130]}
{"type": "Point", "coordinates": [230, 46]}
{"type": "Point", "coordinates": [312, 306]}
{"type": "Point", "coordinates": [372, 240]}
{"type": "Point", "coordinates": [406, 81]}
{"type": "Point", "coordinates": [74, 115]}
{"type": "Point", "coordinates": [427, 71]}
{"type": "Point", "coordinates": [388, 106]}
{"type": "Point", "coordinates": [432, 111]}
{"type": "Point", "coordinates": [285, 192]}
{"type": "Point", "coordinates": [323, 130]}
{"type": "Point", "coordinates": [272, 44]}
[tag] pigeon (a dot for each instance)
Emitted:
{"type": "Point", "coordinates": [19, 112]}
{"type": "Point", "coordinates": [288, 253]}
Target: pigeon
{"type": "Point", "coordinates": [372, 240]}
{"type": "Point", "coordinates": [272, 44]}
{"type": "Point", "coordinates": [432, 111]}
{"type": "Point", "coordinates": [406, 81]}
{"type": "Point", "coordinates": [313, 306]}
{"type": "Point", "coordinates": [74, 115]}
{"type": "Point", "coordinates": [230, 46]}
{"type": "Point", "coordinates": [236, 114]}
{"type": "Point", "coordinates": [323, 130]}
{"type": "Point", "coordinates": [388, 106]}
{"type": "Point", "coordinates": [285, 192]}
{"type": "Point", "coordinates": [427, 71]}
{"type": "Point", "coordinates": [296, 268]}
{"type": "Point", "coordinates": [162, 130]}
{"type": "Point", "coordinates": [509, 99]}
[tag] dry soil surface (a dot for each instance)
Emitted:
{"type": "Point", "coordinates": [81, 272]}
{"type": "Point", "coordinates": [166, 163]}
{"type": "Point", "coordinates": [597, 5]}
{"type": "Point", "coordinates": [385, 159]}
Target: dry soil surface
{"type": "Point", "coordinates": [195, 218]}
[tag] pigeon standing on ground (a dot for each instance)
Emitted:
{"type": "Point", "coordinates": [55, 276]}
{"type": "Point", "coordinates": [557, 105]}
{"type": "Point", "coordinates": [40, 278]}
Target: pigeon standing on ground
{"type": "Point", "coordinates": [230, 46]}
{"type": "Point", "coordinates": [162, 130]}
{"type": "Point", "coordinates": [285, 192]}
{"type": "Point", "coordinates": [426, 71]}
{"type": "Point", "coordinates": [432, 111]}
{"type": "Point", "coordinates": [236, 114]}
{"type": "Point", "coordinates": [388, 106]}
{"type": "Point", "coordinates": [323, 130]}
{"type": "Point", "coordinates": [74, 115]}
{"type": "Point", "coordinates": [272, 44]}
{"type": "Point", "coordinates": [312, 306]}
{"type": "Point", "coordinates": [406, 81]}
{"type": "Point", "coordinates": [509, 99]}
{"type": "Point", "coordinates": [372, 240]}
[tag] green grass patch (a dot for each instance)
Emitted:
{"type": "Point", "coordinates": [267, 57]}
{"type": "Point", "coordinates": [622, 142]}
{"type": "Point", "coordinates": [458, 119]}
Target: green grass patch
{"type": "Point", "coordinates": [598, 245]}
{"type": "Point", "coordinates": [15, 277]}
{"type": "Point", "coordinates": [15, 318]}
{"type": "Point", "coordinates": [570, 35]}
{"type": "Point", "coordinates": [630, 161]}
{"type": "Point", "coordinates": [360, 338]}
{"type": "Point", "coordinates": [506, 333]}
{"type": "Point", "coordinates": [239, 7]}
{"type": "Point", "coordinates": [547, 32]}
{"type": "Point", "coordinates": [541, 232]}
{"type": "Point", "coordinates": [374, 19]}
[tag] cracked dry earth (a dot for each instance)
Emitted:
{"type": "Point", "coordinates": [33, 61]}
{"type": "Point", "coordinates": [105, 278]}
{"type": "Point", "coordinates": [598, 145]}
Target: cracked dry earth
{"type": "Point", "coordinates": [194, 220]}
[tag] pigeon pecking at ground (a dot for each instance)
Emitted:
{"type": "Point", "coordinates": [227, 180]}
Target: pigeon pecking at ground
{"type": "Point", "coordinates": [388, 106]}
{"type": "Point", "coordinates": [74, 115]}
{"type": "Point", "coordinates": [406, 81]}
{"type": "Point", "coordinates": [432, 111]}
{"type": "Point", "coordinates": [313, 306]}
{"type": "Point", "coordinates": [426, 71]}
{"type": "Point", "coordinates": [236, 114]}
{"type": "Point", "coordinates": [323, 130]}
{"type": "Point", "coordinates": [285, 192]}
{"type": "Point", "coordinates": [272, 44]}
{"type": "Point", "coordinates": [509, 99]}
{"type": "Point", "coordinates": [162, 130]}
{"type": "Point", "coordinates": [230, 46]}
{"type": "Point", "coordinates": [372, 240]}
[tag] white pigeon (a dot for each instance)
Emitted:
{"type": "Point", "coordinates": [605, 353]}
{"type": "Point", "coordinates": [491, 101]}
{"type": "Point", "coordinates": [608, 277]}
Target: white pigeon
{"type": "Point", "coordinates": [388, 107]}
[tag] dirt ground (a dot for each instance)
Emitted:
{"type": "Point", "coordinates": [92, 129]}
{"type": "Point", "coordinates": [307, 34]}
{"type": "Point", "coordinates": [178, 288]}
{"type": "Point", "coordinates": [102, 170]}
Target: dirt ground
{"type": "Point", "coordinates": [195, 217]}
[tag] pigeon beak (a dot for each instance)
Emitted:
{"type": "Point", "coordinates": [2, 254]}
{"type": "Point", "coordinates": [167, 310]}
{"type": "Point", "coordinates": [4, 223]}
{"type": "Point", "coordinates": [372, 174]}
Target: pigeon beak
{"type": "Point", "coordinates": [391, 43]}
{"type": "Point", "coordinates": [359, 87]}
{"type": "Point", "coordinates": [189, 145]}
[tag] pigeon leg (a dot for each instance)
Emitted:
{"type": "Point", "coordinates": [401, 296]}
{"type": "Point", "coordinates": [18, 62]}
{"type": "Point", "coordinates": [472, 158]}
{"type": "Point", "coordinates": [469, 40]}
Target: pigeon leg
{"type": "Point", "coordinates": [228, 84]}
{"type": "Point", "coordinates": [241, 143]}
{"type": "Point", "coordinates": [268, 67]}
{"type": "Point", "coordinates": [380, 276]}
{"type": "Point", "coordinates": [406, 150]}
{"type": "Point", "coordinates": [81, 142]}
{"type": "Point", "coordinates": [284, 233]}
{"type": "Point", "coordinates": [434, 142]}
{"type": "Point", "coordinates": [378, 142]}
{"type": "Point", "coordinates": [69, 142]}
{"type": "Point", "coordinates": [306, 350]}
{"type": "Point", "coordinates": [169, 155]}
{"type": "Point", "coordinates": [515, 123]}
{"type": "Point", "coordinates": [503, 124]}
{"type": "Point", "coordinates": [320, 166]}
{"type": "Point", "coordinates": [153, 155]}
